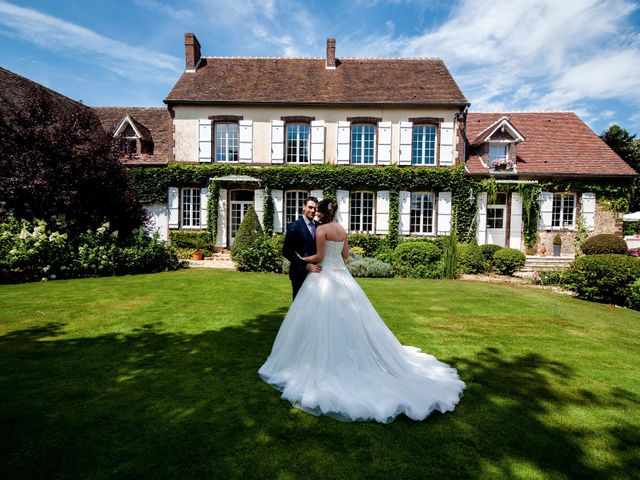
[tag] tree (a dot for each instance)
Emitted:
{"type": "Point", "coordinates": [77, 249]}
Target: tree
{"type": "Point", "coordinates": [625, 145]}
{"type": "Point", "coordinates": [248, 232]}
{"type": "Point", "coordinates": [56, 162]}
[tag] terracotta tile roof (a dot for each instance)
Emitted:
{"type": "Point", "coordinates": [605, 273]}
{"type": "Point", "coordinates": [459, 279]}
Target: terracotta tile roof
{"type": "Point", "coordinates": [154, 124]}
{"type": "Point", "coordinates": [307, 81]}
{"type": "Point", "coordinates": [16, 89]}
{"type": "Point", "coordinates": [556, 143]}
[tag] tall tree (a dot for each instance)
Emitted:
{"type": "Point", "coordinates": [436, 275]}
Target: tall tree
{"type": "Point", "coordinates": [56, 161]}
{"type": "Point", "coordinates": [625, 145]}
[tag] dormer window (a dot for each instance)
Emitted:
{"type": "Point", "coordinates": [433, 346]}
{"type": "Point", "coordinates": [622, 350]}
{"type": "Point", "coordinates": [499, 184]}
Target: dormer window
{"type": "Point", "coordinates": [498, 142]}
{"type": "Point", "coordinates": [129, 142]}
{"type": "Point", "coordinates": [135, 138]}
{"type": "Point", "coordinates": [498, 154]}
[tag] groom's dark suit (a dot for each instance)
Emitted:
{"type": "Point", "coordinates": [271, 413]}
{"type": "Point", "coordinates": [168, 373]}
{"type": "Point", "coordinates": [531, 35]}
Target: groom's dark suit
{"type": "Point", "coordinates": [298, 239]}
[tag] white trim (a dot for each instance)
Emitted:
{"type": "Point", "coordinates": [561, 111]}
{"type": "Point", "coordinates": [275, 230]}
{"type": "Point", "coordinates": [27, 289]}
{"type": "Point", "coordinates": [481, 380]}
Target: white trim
{"type": "Point", "coordinates": [204, 198]}
{"type": "Point", "coordinates": [317, 142]}
{"type": "Point", "coordinates": [502, 122]}
{"type": "Point", "coordinates": [444, 213]}
{"type": "Point", "coordinates": [405, 212]}
{"type": "Point", "coordinates": [316, 193]}
{"type": "Point", "coordinates": [589, 209]}
{"type": "Point", "coordinates": [277, 141]}
{"type": "Point", "coordinates": [446, 144]}
{"type": "Point", "coordinates": [382, 211]}
{"type": "Point", "coordinates": [174, 207]}
{"type": "Point", "coordinates": [258, 204]}
{"type": "Point", "coordinates": [342, 216]}
{"type": "Point", "coordinates": [205, 144]}
{"type": "Point", "coordinates": [221, 234]}
{"type": "Point", "coordinates": [245, 141]}
{"type": "Point", "coordinates": [515, 221]}
{"type": "Point", "coordinates": [278, 209]}
{"type": "Point", "coordinates": [405, 143]}
{"type": "Point", "coordinates": [343, 143]}
{"type": "Point", "coordinates": [121, 127]}
{"type": "Point", "coordinates": [384, 143]}
{"type": "Point", "coordinates": [481, 230]}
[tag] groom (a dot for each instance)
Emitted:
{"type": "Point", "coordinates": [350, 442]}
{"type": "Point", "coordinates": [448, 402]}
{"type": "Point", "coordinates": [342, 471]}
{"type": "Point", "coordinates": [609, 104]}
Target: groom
{"type": "Point", "coordinates": [301, 240]}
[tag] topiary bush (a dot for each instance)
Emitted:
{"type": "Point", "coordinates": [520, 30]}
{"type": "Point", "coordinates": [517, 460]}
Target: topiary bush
{"type": "Point", "coordinates": [508, 260]}
{"type": "Point", "coordinates": [418, 260]}
{"type": "Point", "coordinates": [261, 256]}
{"type": "Point", "coordinates": [603, 244]}
{"type": "Point", "coordinates": [471, 260]}
{"type": "Point", "coordinates": [192, 240]}
{"type": "Point", "coordinates": [488, 250]}
{"type": "Point", "coordinates": [633, 296]}
{"type": "Point", "coordinates": [370, 267]}
{"type": "Point", "coordinates": [248, 232]}
{"type": "Point", "coordinates": [603, 278]}
{"type": "Point", "coordinates": [368, 242]}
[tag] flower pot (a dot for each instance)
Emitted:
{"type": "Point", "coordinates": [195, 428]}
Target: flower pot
{"type": "Point", "coordinates": [197, 256]}
{"type": "Point", "coordinates": [556, 250]}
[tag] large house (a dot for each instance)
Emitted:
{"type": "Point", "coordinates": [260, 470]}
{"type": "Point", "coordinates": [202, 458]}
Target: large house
{"type": "Point", "coordinates": [368, 113]}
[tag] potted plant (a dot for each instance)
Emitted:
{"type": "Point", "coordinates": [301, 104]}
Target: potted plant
{"type": "Point", "coordinates": [197, 253]}
{"type": "Point", "coordinates": [557, 245]}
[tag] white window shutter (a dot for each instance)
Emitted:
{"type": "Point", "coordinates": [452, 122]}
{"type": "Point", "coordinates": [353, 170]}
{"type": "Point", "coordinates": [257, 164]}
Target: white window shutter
{"type": "Point", "coordinates": [384, 143]}
{"type": "Point", "coordinates": [342, 216]}
{"type": "Point", "coordinates": [258, 204]}
{"type": "Point", "coordinates": [277, 141]}
{"type": "Point", "coordinates": [204, 198]}
{"type": "Point", "coordinates": [546, 210]}
{"type": "Point", "coordinates": [204, 141]}
{"type": "Point", "coordinates": [515, 224]}
{"type": "Point", "coordinates": [344, 141]}
{"type": "Point", "coordinates": [404, 157]}
{"type": "Point", "coordinates": [316, 193]}
{"type": "Point", "coordinates": [405, 212]}
{"type": "Point", "coordinates": [317, 141]}
{"type": "Point", "coordinates": [174, 207]}
{"type": "Point", "coordinates": [246, 140]}
{"type": "Point", "coordinates": [444, 213]}
{"type": "Point", "coordinates": [221, 235]}
{"type": "Point", "coordinates": [481, 230]}
{"type": "Point", "coordinates": [446, 144]}
{"type": "Point", "coordinates": [278, 207]}
{"type": "Point", "coordinates": [589, 209]}
{"type": "Point", "coordinates": [382, 211]}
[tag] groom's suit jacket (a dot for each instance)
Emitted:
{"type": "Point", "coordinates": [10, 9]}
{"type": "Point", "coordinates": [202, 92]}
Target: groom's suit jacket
{"type": "Point", "coordinates": [298, 239]}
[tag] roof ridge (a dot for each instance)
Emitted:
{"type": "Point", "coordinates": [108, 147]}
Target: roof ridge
{"type": "Point", "coordinates": [239, 57]}
{"type": "Point", "coordinates": [522, 111]}
{"type": "Point", "coordinates": [128, 107]}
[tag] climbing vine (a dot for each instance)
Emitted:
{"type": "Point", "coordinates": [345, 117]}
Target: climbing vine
{"type": "Point", "coordinates": [267, 214]}
{"type": "Point", "coordinates": [212, 209]}
{"type": "Point", "coordinates": [393, 237]}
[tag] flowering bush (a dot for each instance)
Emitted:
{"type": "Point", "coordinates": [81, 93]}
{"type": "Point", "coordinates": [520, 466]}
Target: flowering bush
{"type": "Point", "coordinates": [634, 252]}
{"type": "Point", "coordinates": [370, 267]}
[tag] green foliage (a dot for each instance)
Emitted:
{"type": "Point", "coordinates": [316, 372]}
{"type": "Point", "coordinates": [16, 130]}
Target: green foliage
{"type": "Point", "coordinates": [603, 244]}
{"type": "Point", "coordinates": [386, 254]}
{"type": "Point", "coordinates": [370, 267]}
{"type": "Point", "coordinates": [368, 242]}
{"type": "Point", "coordinates": [488, 250]}
{"type": "Point", "coordinates": [508, 260]}
{"type": "Point", "coordinates": [261, 256]}
{"type": "Point", "coordinates": [553, 277]}
{"type": "Point", "coordinates": [199, 240]}
{"type": "Point", "coordinates": [530, 193]}
{"type": "Point", "coordinates": [393, 237]}
{"type": "Point", "coordinates": [633, 297]}
{"type": "Point", "coordinates": [582, 233]}
{"type": "Point", "coordinates": [631, 228]}
{"type": "Point", "coordinates": [212, 211]}
{"type": "Point", "coordinates": [603, 278]}
{"type": "Point", "coordinates": [268, 212]}
{"type": "Point", "coordinates": [471, 259]}
{"type": "Point", "coordinates": [557, 240]}
{"type": "Point", "coordinates": [625, 145]}
{"type": "Point", "coordinates": [418, 260]}
{"type": "Point", "coordinates": [249, 230]}
{"type": "Point", "coordinates": [450, 253]}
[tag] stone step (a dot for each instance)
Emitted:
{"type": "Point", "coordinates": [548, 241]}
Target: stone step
{"type": "Point", "coordinates": [534, 263]}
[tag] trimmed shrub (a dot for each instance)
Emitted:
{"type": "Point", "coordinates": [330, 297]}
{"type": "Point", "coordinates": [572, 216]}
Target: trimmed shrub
{"type": "Point", "coordinates": [603, 278]}
{"type": "Point", "coordinates": [261, 256]}
{"type": "Point", "coordinates": [508, 260]}
{"type": "Point", "coordinates": [369, 243]}
{"type": "Point", "coordinates": [633, 297]}
{"type": "Point", "coordinates": [471, 260]}
{"type": "Point", "coordinates": [248, 232]}
{"type": "Point", "coordinates": [418, 260]}
{"type": "Point", "coordinates": [386, 254]}
{"type": "Point", "coordinates": [370, 267]}
{"type": "Point", "coordinates": [603, 244]}
{"type": "Point", "coordinates": [488, 250]}
{"type": "Point", "coordinates": [631, 228]}
{"type": "Point", "coordinates": [190, 240]}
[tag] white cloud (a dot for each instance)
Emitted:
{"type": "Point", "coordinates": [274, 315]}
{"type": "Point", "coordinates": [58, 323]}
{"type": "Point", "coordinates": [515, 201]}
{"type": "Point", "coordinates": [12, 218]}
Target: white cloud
{"type": "Point", "coordinates": [175, 13]}
{"type": "Point", "coordinates": [69, 39]}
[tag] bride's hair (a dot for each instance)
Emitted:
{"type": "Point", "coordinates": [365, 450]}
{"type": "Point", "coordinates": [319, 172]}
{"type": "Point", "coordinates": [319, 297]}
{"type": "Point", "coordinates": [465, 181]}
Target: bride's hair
{"type": "Point", "coordinates": [328, 208]}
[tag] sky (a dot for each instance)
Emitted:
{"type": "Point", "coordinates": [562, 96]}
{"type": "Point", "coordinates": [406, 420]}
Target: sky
{"type": "Point", "coordinates": [506, 55]}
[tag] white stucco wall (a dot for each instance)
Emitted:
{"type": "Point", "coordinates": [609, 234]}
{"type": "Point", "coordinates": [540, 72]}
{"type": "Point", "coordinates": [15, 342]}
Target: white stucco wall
{"type": "Point", "coordinates": [187, 118]}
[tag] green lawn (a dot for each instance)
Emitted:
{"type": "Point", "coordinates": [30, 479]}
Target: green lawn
{"type": "Point", "coordinates": [155, 376]}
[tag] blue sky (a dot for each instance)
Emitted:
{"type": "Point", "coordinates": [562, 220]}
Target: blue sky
{"type": "Point", "coordinates": [506, 55]}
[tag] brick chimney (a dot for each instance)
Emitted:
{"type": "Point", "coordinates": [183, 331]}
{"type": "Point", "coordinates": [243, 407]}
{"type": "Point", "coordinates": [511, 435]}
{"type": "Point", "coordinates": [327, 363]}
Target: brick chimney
{"type": "Point", "coordinates": [191, 51]}
{"type": "Point", "coordinates": [331, 53]}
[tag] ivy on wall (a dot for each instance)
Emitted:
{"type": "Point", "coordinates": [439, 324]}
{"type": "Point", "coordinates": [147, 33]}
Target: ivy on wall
{"type": "Point", "coordinates": [268, 212]}
{"type": "Point", "coordinates": [212, 209]}
{"type": "Point", "coordinates": [151, 185]}
{"type": "Point", "coordinates": [393, 237]}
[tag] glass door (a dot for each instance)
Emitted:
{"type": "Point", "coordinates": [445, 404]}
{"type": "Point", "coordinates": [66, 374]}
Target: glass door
{"type": "Point", "coordinates": [241, 200]}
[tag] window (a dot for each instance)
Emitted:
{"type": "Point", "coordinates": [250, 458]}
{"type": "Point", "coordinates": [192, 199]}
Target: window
{"type": "Point", "coordinates": [361, 212]}
{"type": "Point", "coordinates": [190, 207]}
{"type": "Point", "coordinates": [563, 213]}
{"type": "Point", "coordinates": [297, 143]}
{"type": "Point", "coordinates": [226, 142]}
{"type": "Point", "coordinates": [129, 142]}
{"type": "Point", "coordinates": [293, 206]}
{"type": "Point", "coordinates": [423, 145]}
{"type": "Point", "coordinates": [363, 140]}
{"type": "Point", "coordinates": [498, 153]}
{"type": "Point", "coordinates": [495, 217]}
{"type": "Point", "coordinates": [422, 207]}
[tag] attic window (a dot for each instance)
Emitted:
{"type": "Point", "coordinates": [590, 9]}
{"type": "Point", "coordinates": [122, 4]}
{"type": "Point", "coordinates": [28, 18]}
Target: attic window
{"type": "Point", "coordinates": [129, 142]}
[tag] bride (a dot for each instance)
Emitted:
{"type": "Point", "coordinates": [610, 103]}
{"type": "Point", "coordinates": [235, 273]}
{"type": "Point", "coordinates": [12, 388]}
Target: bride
{"type": "Point", "coordinates": [334, 355]}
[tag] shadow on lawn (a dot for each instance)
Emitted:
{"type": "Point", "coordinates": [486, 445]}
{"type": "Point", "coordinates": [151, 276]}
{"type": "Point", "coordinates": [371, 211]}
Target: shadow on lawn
{"type": "Point", "coordinates": [155, 404]}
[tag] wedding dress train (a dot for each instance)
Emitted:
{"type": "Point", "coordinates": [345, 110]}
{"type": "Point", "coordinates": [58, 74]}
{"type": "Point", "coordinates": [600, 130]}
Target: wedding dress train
{"type": "Point", "coordinates": [334, 356]}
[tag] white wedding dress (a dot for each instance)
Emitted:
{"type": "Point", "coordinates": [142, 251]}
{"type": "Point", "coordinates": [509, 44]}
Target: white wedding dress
{"type": "Point", "coordinates": [335, 356]}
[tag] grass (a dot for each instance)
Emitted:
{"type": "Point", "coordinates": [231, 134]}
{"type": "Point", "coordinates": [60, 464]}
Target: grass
{"type": "Point", "coordinates": [155, 376]}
